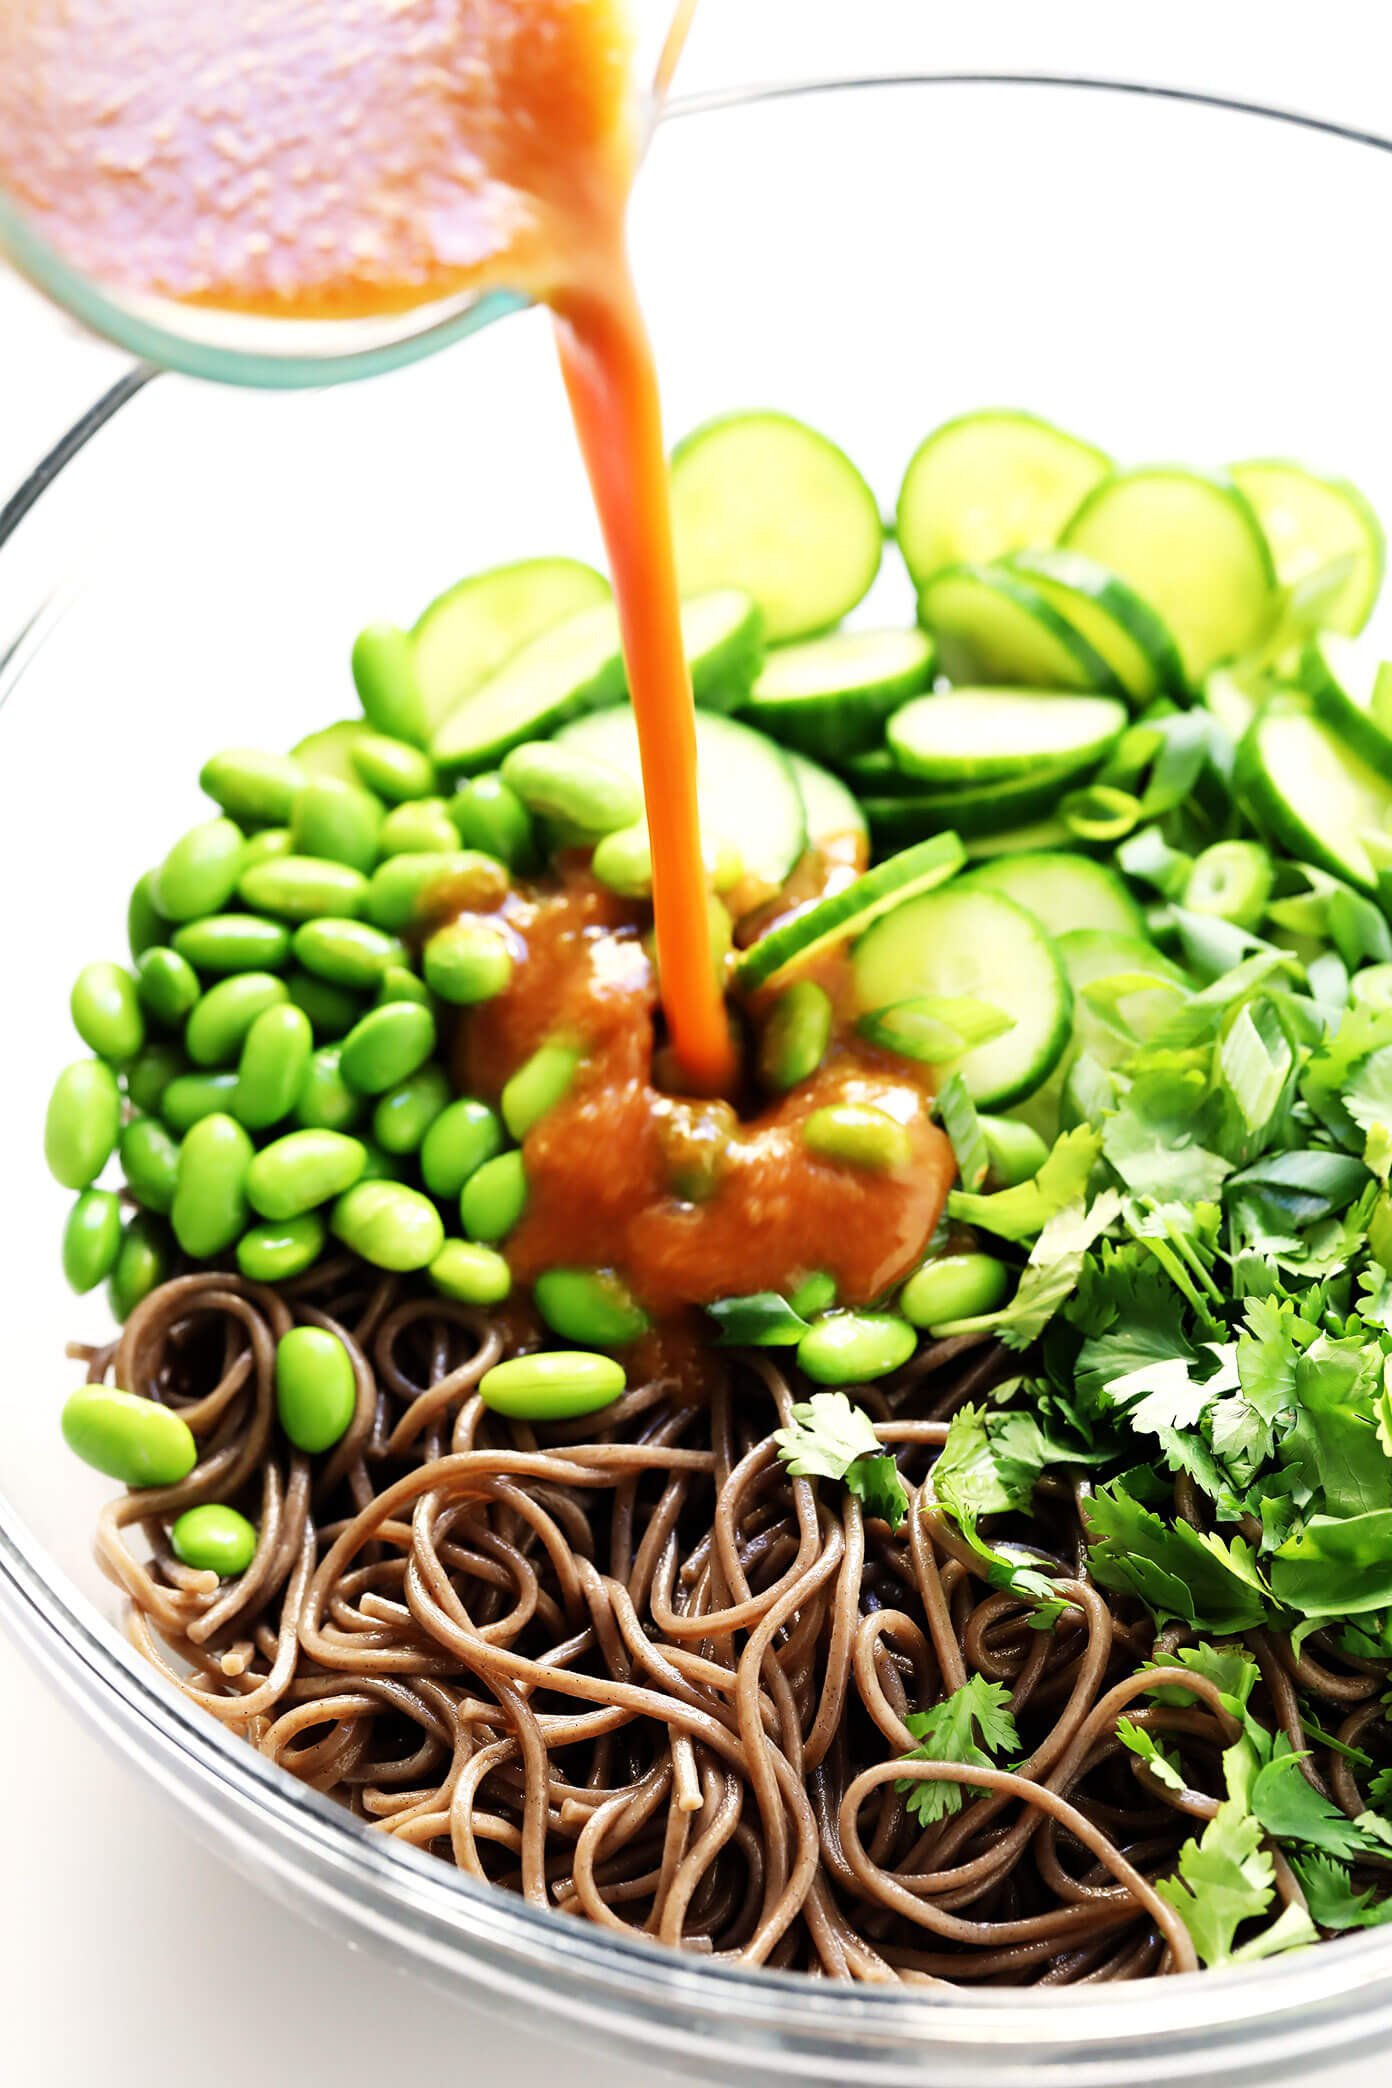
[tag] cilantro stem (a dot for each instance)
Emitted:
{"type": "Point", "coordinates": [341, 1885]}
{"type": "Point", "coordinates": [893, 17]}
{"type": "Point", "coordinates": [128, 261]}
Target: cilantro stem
{"type": "Point", "coordinates": [1179, 1277]}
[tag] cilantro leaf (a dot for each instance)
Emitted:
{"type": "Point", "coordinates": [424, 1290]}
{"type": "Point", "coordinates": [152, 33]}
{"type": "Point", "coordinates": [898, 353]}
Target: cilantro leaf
{"type": "Point", "coordinates": [1292, 1810]}
{"type": "Point", "coordinates": [1336, 1566]}
{"type": "Point", "coordinates": [875, 1482]}
{"type": "Point", "coordinates": [1162, 1765]}
{"type": "Point", "coordinates": [990, 1462]}
{"type": "Point", "coordinates": [1178, 1571]}
{"type": "Point", "coordinates": [1333, 1901]}
{"type": "Point", "coordinates": [830, 1438]}
{"type": "Point", "coordinates": [1225, 1879]}
{"type": "Point", "coordinates": [763, 1319]}
{"type": "Point", "coordinates": [1050, 1274]}
{"type": "Point", "coordinates": [1008, 1570]}
{"type": "Point", "coordinates": [969, 1726]}
{"type": "Point", "coordinates": [1014, 1214]}
{"type": "Point", "coordinates": [1164, 1395]}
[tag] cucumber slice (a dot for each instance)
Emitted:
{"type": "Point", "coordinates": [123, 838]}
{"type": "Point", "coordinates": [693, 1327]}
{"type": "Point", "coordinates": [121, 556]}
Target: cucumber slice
{"type": "Point", "coordinates": [1191, 544]}
{"type": "Point", "coordinates": [329, 752]}
{"type": "Point", "coordinates": [1231, 701]}
{"type": "Point", "coordinates": [1312, 793]}
{"type": "Point", "coordinates": [1040, 836]}
{"type": "Point", "coordinates": [723, 637]}
{"type": "Point", "coordinates": [1310, 522]}
{"type": "Point", "coordinates": [1064, 892]}
{"type": "Point", "coordinates": [989, 483]}
{"type": "Point", "coordinates": [831, 696]}
{"type": "Point", "coordinates": [466, 633]}
{"type": "Point", "coordinates": [977, 735]}
{"type": "Point", "coordinates": [762, 501]}
{"type": "Point", "coordinates": [896, 818]}
{"type": "Point", "coordinates": [966, 943]}
{"type": "Point", "coordinates": [750, 801]}
{"type": "Point", "coordinates": [1089, 955]}
{"type": "Point", "coordinates": [835, 822]}
{"type": "Point", "coordinates": [576, 665]}
{"type": "Point", "coordinates": [1131, 638]}
{"type": "Point", "coordinates": [849, 912]}
{"type": "Point", "coordinates": [993, 626]}
{"type": "Point", "coordinates": [1344, 679]}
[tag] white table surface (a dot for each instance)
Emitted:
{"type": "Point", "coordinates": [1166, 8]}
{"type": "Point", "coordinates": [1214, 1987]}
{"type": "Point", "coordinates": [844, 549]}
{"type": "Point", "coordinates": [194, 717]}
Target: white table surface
{"type": "Point", "coordinates": [123, 1945]}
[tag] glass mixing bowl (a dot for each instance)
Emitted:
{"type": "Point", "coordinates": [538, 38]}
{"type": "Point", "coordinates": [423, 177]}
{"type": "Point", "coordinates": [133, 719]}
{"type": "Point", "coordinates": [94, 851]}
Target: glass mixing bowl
{"type": "Point", "coordinates": [1172, 277]}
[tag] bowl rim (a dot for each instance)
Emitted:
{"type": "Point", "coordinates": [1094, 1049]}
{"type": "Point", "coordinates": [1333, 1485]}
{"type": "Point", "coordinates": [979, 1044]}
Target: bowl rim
{"type": "Point", "coordinates": [1250, 2020]}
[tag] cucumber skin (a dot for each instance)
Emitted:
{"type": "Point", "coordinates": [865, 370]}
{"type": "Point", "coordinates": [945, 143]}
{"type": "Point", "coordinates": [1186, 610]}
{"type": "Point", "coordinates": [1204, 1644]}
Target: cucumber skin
{"type": "Point", "coordinates": [1273, 817]}
{"type": "Point", "coordinates": [959, 773]}
{"type": "Point", "coordinates": [1337, 708]}
{"type": "Point", "coordinates": [834, 727]}
{"type": "Point", "coordinates": [897, 818]}
{"type": "Point", "coordinates": [1375, 536]}
{"type": "Point", "coordinates": [1003, 874]}
{"type": "Point", "coordinates": [960, 664]}
{"type": "Point", "coordinates": [1014, 416]}
{"type": "Point", "coordinates": [1116, 599]}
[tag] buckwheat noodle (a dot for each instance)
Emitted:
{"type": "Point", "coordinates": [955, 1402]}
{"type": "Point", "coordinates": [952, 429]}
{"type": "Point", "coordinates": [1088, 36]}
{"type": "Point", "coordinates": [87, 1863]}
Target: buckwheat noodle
{"type": "Point", "coordinates": [630, 1669]}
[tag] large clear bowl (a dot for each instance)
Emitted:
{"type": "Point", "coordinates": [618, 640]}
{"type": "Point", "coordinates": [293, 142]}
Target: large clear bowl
{"type": "Point", "coordinates": [1173, 277]}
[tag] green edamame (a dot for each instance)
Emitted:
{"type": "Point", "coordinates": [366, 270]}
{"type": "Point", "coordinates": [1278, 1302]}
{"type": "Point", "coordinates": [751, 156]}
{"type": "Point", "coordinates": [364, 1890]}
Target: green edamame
{"type": "Point", "coordinates": [456, 1145]}
{"type": "Point", "coordinates": [332, 1009]}
{"type": "Point", "coordinates": [537, 1086]}
{"type": "Point", "coordinates": [214, 1539]}
{"type": "Point", "coordinates": [82, 1123]}
{"type": "Point", "coordinates": [200, 872]}
{"type": "Point", "coordinates": [389, 1225]}
{"type": "Point", "coordinates": [622, 861]}
{"type": "Point", "coordinates": [91, 1239]}
{"type": "Point", "coordinates": [399, 984]}
{"type": "Point", "coordinates": [467, 962]}
{"type": "Point", "coordinates": [150, 1163]}
{"type": "Point", "coordinates": [134, 1440]}
{"type": "Point", "coordinates": [217, 1028]}
{"type": "Point", "coordinates": [210, 1195]}
{"type": "Point", "coordinates": [470, 1273]}
{"type": "Point", "coordinates": [278, 1250]}
{"type": "Point", "coordinates": [302, 1169]}
{"type": "Point", "coordinates": [263, 847]}
{"type": "Point", "coordinates": [149, 1073]}
{"type": "Point", "coordinates": [406, 1111]}
{"type": "Point", "coordinates": [236, 942]}
{"type": "Point", "coordinates": [420, 827]}
{"type": "Point", "coordinates": [106, 1013]}
{"type": "Point", "coordinates": [795, 1036]}
{"type": "Point", "coordinates": [555, 783]}
{"type": "Point", "coordinates": [386, 1046]}
{"type": "Point", "coordinates": [410, 891]}
{"type": "Point", "coordinates": [142, 1264]}
{"type": "Point", "coordinates": [953, 1287]}
{"type": "Point", "coordinates": [145, 924]}
{"type": "Point", "coordinates": [189, 1097]}
{"type": "Point", "coordinates": [816, 1293]}
{"type": "Point", "coordinates": [393, 770]}
{"type": "Point", "coordinates": [850, 1348]}
{"type": "Point", "coordinates": [337, 822]}
{"type": "Point", "coordinates": [696, 1138]}
{"type": "Point", "coordinates": [167, 984]}
{"type": "Point", "coordinates": [388, 686]}
{"type": "Point", "coordinates": [494, 1198]}
{"type": "Point", "coordinates": [858, 1134]}
{"type": "Point", "coordinates": [301, 887]}
{"type": "Point", "coordinates": [1016, 1151]}
{"type": "Point", "coordinates": [316, 1388]}
{"type": "Point", "coordinates": [251, 785]}
{"type": "Point", "coordinates": [489, 816]}
{"type": "Point", "coordinates": [326, 1102]}
{"type": "Point", "coordinates": [270, 1073]}
{"type": "Point", "coordinates": [556, 1385]}
{"type": "Point", "coordinates": [590, 1305]}
{"type": "Point", "coordinates": [347, 952]}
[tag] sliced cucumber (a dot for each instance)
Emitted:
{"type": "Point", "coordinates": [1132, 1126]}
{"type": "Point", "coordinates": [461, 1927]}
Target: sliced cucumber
{"type": "Point", "coordinates": [1064, 892]}
{"type": "Point", "coordinates": [831, 696]}
{"type": "Point", "coordinates": [1192, 546]}
{"type": "Point", "coordinates": [977, 735]}
{"type": "Point", "coordinates": [989, 483]}
{"type": "Point", "coordinates": [966, 943]}
{"type": "Point", "coordinates": [1091, 955]}
{"type": "Point", "coordinates": [723, 635]}
{"type": "Point", "coordinates": [1040, 836]}
{"type": "Point", "coordinates": [849, 912]}
{"type": "Point", "coordinates": [1232, 701]}
{"type": "Point", "coordinates": [993, 626]}
{"type": "Point", "coordinates": [466, 634]}
{"type": "Point", "coordinates": [574, 666]}
{"type": "Point", "coordinates": [750, 801]}
{"type": "Point", "coordinates": [1131, 638]}
{"type": "Point", "coordinates": [329, 752]}
{"type": "Point", "coordinates": [763, 502]}
{"type": "Point", "coordinates": [1311, 522]}
{"type": "Point", "coordinates": [988, 808]}
{"type": "Point", "coordinates": [1311, 792]}
{"type": "Point", "coordinates": [1344, 678]}
{"type": "Point", "coordinates": [835, 822]}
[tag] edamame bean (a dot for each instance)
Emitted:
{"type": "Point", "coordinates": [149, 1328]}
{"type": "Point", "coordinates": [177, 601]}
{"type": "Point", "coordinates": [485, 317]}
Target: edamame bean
{"type": "Point", "coordinates": [557, 1385]}
{"type": "Point", "coordinates": [217, 1028]}
{"type": "Point", "coordinates": [795, 1035]}
{"type": "Point", "coordinates": [150, 1163]}
{"type": "Point", "coordinates": [388, 686]}
{"type": "Point", "coordinates": [82, 1123]}
{"type": "Point", "coordinates": [395, 771]}
{"type": "Point", "coordinates": [190, 1097]}
{"type": "Point", "coordinates": [348, 953]}
{"type": "Point", "coordinates": [337, 822]}
{"type": "Point", "coordinates": [210, 1200]}
{"type": "Point", "coordinates": [589, 1305]}
{"type": "Point", "coordinates": [264, 847]}
{"type": "Point", "coordinates": [850, 1348]}
{"type": "Point", "coordinates": [422, 827]}
{"type": "Point", "coordinates": [622, 861]}
{"type": "Point", "coordinates": [406, 1111]}
{"type": "Point", "coordinates": [537, 1086]}
{"type": "Point", "coordinates": [252, 785]}
{"type": "Point", "coordinates": [489, 816]}
{"type": "Point", "coordinates": [331, 1009]}
{"type": "Point", "coordinates": [816, 1293]}
{"type": "Point", "coordinates": [302, 1169]}
{"type": "Point", "coordinates": [556, 783]}
{"type": "Point", "coordinates": [409, 891]}
{"type": "Point", "coordinates": [858, 1134]}
{"type": "Point", "coordinates": [167, 984]}
{"type": "Point", "coordinates": [467, 962]}
{"type": "Point", "coordinates": [389, 1225]}
{"type": "Point", "coordinates": [134, 1440]}
{"type": "Point", "coordinates": [301, 887]}
{"type": "Point", "coordinates": [398, 984]}
{"type": "Point", "coordinates": [142, 1264]}
{"type": "Point", "coordinates": [145, 924]}
{"type": "Point", "coordinates": [149, 1073]}
{"type": "Point", "coordinates": [91, 1239]}
{"type": "Point", "coordinates": [386, 1046]}
{"type": "Point", "coordinates": [494, 1198]}
{"type": "Point", "coordinates": [696, 1137]}
{"type": "Point", "coordinates": [316, 1388]}
{"type": "Point", "coordinates": [1016, 1151]}
{"type": "Point", "coordinates": [326, 1102]}
{"type": "Point", "coordinates": [461, 1138]}
{"type": "Point", "coordinates": [200, 872]}
{"type": "Point", "coordinates": [106, 1012]}
{"type": "Point", "coordinates": [236, 942]}
{"type": "Point", "coordinates": [214, 1539]}
{"type": "Point", "coordinates": [953, 1287]}
{"type": "Point", "coordinates": [271, 1071]}
{"type": "Point", "coordinates": [276, 1251]}
{"type": "Point", "coordinates": [1231, 879]}
{"type": "Point", "coordinates": [470, 1273]}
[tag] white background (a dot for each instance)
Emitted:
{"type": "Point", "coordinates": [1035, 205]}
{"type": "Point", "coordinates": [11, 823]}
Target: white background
{"type": "Point", "coordinates": [127, 1954]}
